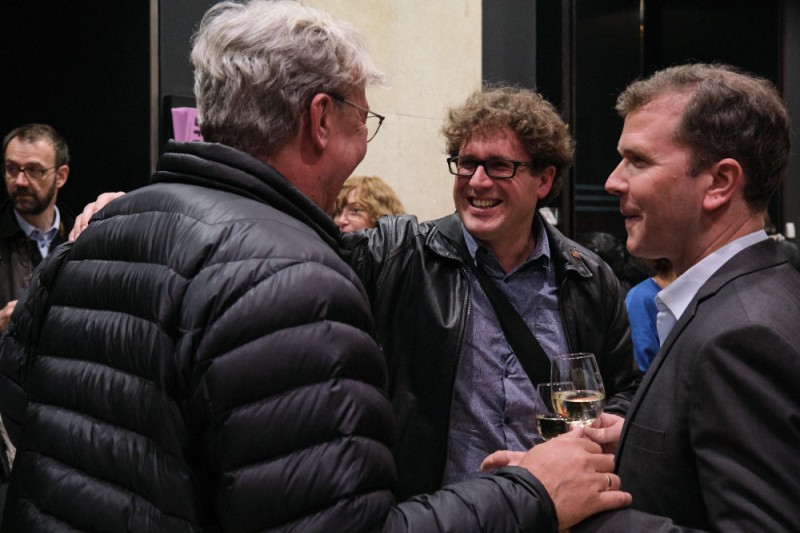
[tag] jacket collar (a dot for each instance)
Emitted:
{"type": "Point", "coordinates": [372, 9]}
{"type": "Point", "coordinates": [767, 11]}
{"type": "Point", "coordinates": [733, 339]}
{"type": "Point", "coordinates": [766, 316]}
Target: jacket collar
{"type": "Point", "coordinates": [8, 222]}
{"type": "Point", "coordinates": [567, 256]}
{"type": "Point", "coordinates": [221, 167]}
{"type": "Point", "coordinates": [763, 254]}
{"type": "Point", "coordinates": [759, 256]}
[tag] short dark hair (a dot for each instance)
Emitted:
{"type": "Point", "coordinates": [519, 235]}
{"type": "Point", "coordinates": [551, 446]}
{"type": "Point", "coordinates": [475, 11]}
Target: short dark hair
{"type": "Point", "coordinates": [33, 132]}
{"type": "Point", "coordinates": [729, 113]}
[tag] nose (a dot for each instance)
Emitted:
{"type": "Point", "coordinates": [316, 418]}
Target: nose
{"type": "Point", "coordinates": [19, 175]}
{"type": "Point", "coordinates": [615, 184]}
{"type": "Point", "coordinates": [480, 179]}
{"type": "Point", "coordinates": [340, 220]}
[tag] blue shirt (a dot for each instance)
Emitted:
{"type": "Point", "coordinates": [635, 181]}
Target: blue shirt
{"type": "Point", "coordinates": [41, 238]}
{"type": "Point", "coordinates": [494, 401]}
{"type": "Point", "coordinates": [641, 304]}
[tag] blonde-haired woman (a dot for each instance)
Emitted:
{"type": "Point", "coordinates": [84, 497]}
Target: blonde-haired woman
{"type": "Point", "coordinates": [362, 200]}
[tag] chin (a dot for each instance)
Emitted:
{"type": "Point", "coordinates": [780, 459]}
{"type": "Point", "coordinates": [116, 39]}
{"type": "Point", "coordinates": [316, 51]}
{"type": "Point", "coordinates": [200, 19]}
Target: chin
{"type": "Point", "coordinates": [479, 229]}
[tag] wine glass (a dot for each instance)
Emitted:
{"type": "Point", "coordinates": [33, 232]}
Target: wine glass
{"type": "Point", "coordinates": [548, 423]}
{"type": "Point", "coordinates": [577, 388]}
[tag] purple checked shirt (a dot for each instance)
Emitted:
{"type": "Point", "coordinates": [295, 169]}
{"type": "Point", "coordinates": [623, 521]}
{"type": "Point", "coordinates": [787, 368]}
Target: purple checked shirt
{"type": "Point", "coordinates": [494, 401]}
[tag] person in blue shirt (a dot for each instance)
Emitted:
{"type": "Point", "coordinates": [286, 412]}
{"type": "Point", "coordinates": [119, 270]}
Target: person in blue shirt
{"type": "Point", "coordinates": [641, 304]}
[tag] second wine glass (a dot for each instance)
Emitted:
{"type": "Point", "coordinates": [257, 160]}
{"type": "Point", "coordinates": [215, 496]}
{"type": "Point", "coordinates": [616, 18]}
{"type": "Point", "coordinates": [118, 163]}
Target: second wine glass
{"type": "Point", "coordinates": [577, 388]}
{"type": "Point", "coordinates": [548, 423]}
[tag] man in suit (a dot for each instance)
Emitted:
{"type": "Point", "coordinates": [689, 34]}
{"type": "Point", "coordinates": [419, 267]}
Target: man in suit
{"type": "Point", "coordinates": [711, 438]}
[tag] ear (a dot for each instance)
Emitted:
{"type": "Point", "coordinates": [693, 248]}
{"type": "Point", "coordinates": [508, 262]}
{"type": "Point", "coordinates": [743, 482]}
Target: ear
{"type": "Point", "coordinates": [727, 178]}
{"type": "Point", "coordinates": [61, 176]}
{"type": "Point", "coordinates": [319, 118]}
{"type": "Point", "coordinates": [546, 177]}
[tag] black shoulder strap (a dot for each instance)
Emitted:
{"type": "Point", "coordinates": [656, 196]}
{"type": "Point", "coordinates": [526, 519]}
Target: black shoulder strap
{"type": "Point", "coordinates": [527, 349]}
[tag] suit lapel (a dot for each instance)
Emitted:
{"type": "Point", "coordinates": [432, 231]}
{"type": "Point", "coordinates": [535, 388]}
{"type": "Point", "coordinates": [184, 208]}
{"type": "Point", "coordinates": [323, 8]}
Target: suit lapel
{"type": "Point", "coordinates": [764, 254]}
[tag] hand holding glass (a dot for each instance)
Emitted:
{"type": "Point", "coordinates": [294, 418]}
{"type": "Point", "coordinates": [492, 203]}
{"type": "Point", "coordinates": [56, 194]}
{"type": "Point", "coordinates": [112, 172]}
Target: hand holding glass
{"type": "Point", "coordinates": [577, 388]}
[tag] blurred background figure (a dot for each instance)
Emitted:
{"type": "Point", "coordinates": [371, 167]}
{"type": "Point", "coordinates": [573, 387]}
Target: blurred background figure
{"type": "Point", "coordinates": [362, 200]}
{"type": "Point", "coordinates": [35, 167]}
{"type": "Point", "coordinates": [611, 249]}
{"type": "Point", "coordinates": [642, 311]}
{"type": "Point", "coordinates": [789, 248]}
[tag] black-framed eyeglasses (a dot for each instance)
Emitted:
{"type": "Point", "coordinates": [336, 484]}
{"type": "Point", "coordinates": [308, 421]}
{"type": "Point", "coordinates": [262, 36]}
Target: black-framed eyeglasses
{"type": "Point", "coordinates": [373, 125]}
{"type": "Point", "coordinates": [32, 173]}
{"type": "Point", "coordinates": [495, 167]}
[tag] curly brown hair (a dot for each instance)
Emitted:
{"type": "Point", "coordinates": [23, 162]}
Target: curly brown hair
{"type": "Point", "coordinates": [536, 123]}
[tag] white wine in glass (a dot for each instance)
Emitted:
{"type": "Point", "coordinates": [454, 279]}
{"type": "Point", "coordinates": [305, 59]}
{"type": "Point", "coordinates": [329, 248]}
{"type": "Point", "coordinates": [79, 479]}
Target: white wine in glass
{"type": "Point", "coordinates": [578, 392]}
{"type": "Point", "coordinates": [548, 423]}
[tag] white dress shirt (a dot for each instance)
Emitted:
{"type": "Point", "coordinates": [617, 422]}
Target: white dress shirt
{"type": "Point", "coordinates": [675, 298]}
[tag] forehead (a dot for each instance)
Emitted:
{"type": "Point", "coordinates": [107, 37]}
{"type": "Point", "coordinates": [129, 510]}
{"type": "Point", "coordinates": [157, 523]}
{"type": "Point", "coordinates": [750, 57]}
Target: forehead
{"type": "Point", "coordinates": [655, 122]}
{"type": "Point", "coordinates": [502, 143]}
{"type": "Point", "coordinates": [37, 150]}
{"type": "Point", "coordinates": [354, 195]}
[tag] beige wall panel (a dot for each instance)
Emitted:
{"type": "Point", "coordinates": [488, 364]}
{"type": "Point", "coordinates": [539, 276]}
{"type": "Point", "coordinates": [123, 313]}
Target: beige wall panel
{"type": "Point", "coordinates": [431, 51]}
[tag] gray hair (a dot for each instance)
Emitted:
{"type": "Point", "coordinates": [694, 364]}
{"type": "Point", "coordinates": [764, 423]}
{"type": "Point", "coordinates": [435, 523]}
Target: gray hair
{"type": "Point", "coordinates": [259, 64]}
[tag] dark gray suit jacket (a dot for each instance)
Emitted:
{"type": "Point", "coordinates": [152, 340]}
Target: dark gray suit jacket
{"type": "Point", "coordinates": [712, 438]}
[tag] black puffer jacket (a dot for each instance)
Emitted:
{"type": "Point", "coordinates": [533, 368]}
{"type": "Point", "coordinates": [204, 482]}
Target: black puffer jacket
{"type": "Point", "coordinates": [416, 277]}
{"type": "Point", "coordinates": [206, 361]}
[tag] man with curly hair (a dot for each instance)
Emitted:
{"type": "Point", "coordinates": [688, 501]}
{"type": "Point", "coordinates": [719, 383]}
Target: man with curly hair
{"type": "Point", "coordinates": [458, 389]}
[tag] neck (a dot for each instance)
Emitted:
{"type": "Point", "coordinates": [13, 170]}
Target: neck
{"type": "Point", "coordinates": [510, 255]}
{"type": "Point", "coordinates": [719, 234]}
{"type": "Point", "coordinates": [301, 166]}
{"type": "Point", "coordinates": [43, 220]}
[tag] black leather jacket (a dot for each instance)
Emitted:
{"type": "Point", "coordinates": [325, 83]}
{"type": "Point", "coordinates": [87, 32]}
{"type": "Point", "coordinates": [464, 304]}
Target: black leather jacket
{"type": "Point", "coordinates": [416, 277]}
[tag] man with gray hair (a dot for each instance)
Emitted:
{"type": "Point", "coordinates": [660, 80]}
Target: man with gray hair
{"type": "Point", "coordinates": [203, 359]}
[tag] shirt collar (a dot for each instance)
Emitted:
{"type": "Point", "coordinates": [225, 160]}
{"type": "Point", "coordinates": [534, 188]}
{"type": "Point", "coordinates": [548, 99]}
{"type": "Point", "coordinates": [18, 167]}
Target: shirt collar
{"type": "Point", "coordinates": [31, 231]}
{"type": "Point", "coordinates": [542, 248]}
{"type": "Point", "coordinates": [678, 294]}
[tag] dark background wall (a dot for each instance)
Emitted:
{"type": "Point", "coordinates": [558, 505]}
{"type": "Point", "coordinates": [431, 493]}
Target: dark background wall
{"type": "Point", "coordinates": [85, 71]}
{"type": "Point", "coordinates": [91, 71]}
{"type": "Point", "coordinates": [585, 51]}
{"type": "Point", "coordinates": [103, 73]}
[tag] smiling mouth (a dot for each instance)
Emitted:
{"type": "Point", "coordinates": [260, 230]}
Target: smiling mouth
{"type": "Point", "coordinates": [475, 202]}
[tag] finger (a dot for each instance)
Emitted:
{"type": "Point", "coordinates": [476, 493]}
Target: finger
{"type": "Point", "coordinates": [575, 432]}
{"type": "Point", "coordinates": [576, 436]}
{"type": "Point", "coordinates": [76, 228]}
{"type": "Point", "coordinates": [494, 460]}
{"type": "Point", "coordinates": [613, 499]}
{"type": "Point", "coordinates": [500, 459]}
{"type": "Point", "coordinates": [603, 462]}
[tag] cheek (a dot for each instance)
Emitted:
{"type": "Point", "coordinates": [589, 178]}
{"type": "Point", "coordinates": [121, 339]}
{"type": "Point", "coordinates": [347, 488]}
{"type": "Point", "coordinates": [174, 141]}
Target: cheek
{"type": "Point", "coordinates": [359, 223]}
{"type": "Point", "coordinates": [458, 188]}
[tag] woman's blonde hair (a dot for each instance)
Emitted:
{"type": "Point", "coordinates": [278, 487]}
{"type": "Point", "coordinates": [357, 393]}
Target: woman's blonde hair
{"type": "Point", "coordinates": [374, 193]}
